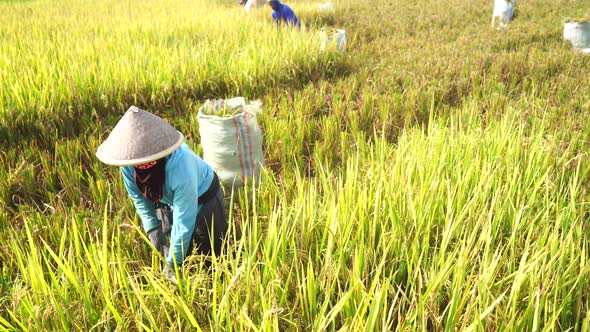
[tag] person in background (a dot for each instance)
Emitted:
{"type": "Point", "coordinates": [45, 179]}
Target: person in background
{"type": "Point", "coordinates": [283, 14]}
{"type": "Point", "coordinates": [176, 194]}
{"type": "Point", "coordinates": [248, 4]}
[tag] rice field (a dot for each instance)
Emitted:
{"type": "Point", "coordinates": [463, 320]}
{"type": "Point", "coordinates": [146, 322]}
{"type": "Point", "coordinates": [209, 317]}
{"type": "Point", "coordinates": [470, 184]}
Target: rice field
{"type": "Point", "coordinates": [434, 176]}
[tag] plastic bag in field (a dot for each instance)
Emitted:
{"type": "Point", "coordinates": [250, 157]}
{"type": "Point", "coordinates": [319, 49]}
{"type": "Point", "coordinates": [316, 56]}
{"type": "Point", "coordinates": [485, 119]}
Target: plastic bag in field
{"type": "Point", "coordinates": [503, 12]}
{"type": "Point", "coordinates": [231, 139]}
{"type": "Point", "coordinates": [333, 37]}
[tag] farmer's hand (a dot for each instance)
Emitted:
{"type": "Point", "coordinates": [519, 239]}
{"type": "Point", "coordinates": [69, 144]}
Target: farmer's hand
{"type": "Point", "coordinates": [159, 240]}
{"type": "Point", "coordinates": [169, 273]}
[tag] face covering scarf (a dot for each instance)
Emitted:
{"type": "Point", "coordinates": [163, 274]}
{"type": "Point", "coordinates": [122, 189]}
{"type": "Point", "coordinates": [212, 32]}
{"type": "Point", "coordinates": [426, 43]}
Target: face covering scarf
{"type": "Point", "coordinates": [149, 179]}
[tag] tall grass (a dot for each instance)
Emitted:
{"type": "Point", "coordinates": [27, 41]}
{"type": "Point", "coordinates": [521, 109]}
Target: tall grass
{"type": "Point", "coordinates": [455, 227]}
{"type": "Point", "coordinates": [70, 59]}
{"type": "Point", "coordinates": [434, 177]}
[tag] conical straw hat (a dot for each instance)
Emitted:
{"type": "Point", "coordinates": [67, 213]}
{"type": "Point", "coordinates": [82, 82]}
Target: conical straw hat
{"type": "Point", "coordinates": [139, 137]}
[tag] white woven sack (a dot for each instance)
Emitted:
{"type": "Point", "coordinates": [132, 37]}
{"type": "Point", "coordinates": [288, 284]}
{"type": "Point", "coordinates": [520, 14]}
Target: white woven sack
{"type": "Point", "coordinates": [232, 145]}
{"type": "Point", "coordinates": [578, 34]}
{"type": "Point", "coordinates": [568, 31]}
{"type": "Point", "coordinates": [333, 37]}
{"type": "Point", "coordinates": [503, 12]}
{"type": "Point", "coordinates": [326, 6]}
{"type": "Point", "coordinates": [253, 3]}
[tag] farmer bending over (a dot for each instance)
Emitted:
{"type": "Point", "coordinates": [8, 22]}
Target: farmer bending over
{"type": "Point", "coordinates": [283, 13]}
{"type": "Point", "coordinates": [164, 178]}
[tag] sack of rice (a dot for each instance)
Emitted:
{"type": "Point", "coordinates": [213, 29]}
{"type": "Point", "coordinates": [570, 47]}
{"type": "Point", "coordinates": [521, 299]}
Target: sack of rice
{"type": "Point", "coordinates": [326, 6]}
{"type": "Point", "coordinates": [503, 12]}
{"type": "Point", "coordinates": [231, 139]}
{"type": "Point", "coordinates": [577, 32]}
{"type": "Point", "coordinates": [335, 37]}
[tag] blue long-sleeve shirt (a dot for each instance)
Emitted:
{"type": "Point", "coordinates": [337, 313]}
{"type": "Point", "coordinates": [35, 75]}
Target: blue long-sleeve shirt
{"type": "Point", "coordinates": [285, 14]}
{"type": "Point", "coordinates": [187, 177]}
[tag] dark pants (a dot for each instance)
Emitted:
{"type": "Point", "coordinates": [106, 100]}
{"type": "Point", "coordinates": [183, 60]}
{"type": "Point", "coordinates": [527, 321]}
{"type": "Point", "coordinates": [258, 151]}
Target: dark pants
{"type": "Point", "coordinates": [210, 227]}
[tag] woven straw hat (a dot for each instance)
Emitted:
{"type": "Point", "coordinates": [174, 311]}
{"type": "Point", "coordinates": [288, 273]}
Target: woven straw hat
{"type": "Point", "coordinates": [138, 138]}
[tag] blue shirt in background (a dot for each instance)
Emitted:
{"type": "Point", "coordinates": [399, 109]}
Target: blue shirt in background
{"type": "Point", "coordinates": [285, 14]}
{"type": "Point", "coordinates": [187, 177]}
